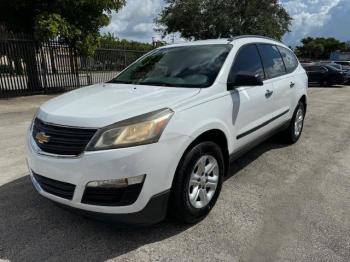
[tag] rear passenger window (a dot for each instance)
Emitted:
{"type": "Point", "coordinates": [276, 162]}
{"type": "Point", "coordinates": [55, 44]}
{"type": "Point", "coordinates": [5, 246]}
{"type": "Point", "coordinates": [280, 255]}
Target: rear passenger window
{"type": "Point", "coordinates": [289, 59]}
{"type": "Point", "coordinates": [272, 61]}
{"type": "Point", "coordinates": [247, 61]}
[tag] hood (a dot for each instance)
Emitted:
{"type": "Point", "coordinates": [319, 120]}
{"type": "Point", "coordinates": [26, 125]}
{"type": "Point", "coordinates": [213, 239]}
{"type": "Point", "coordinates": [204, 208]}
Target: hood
{"type": "Point", "coordinates": [104, 104]}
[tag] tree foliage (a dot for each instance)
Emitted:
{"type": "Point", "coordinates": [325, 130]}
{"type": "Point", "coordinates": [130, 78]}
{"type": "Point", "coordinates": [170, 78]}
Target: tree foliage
{"type": "Point", "coordinates": [110, 41]}
{"type": "Point", "coordinates": [203, 19]}
{"type": "Point", "coordinates": [319, 48]}
{"type": "Point", "coordinates": [347, 46]}
{"type": "Point", "coordinates": [76, 22]}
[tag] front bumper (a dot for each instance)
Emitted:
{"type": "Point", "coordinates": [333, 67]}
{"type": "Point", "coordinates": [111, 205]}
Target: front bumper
{"type": "Point", "coordinates": [154, 212]}
{"type": "Point", "coordinates": [157, 161]}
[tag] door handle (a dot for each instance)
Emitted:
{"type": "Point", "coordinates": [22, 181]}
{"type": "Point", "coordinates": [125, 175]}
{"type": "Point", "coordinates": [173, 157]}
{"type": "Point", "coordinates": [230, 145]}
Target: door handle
{"type": "Point", "coordinates": [268, 93]}
{"type": "Point", "coordinates": [292, 84]}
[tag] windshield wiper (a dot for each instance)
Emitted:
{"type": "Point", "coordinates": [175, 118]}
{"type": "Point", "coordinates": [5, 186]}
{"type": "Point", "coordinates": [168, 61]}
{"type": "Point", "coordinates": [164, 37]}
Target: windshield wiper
{"type": "Point", "coordinates": [116, 81]}
{"type": "Point", "coordinates": [155, 83]}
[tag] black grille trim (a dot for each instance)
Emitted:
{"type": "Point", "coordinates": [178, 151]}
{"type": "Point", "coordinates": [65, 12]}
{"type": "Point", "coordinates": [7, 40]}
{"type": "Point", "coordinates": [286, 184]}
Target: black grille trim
{"type": "Point", "coordinates": [112, 196]}
{"type": "Point", "coordinates": [54, 187]}
{"type": "Point", "coordinates": [70, 141]}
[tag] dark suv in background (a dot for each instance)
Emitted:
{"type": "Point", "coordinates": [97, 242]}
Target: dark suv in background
{"type": "Point", "coordinates": [325, 75]}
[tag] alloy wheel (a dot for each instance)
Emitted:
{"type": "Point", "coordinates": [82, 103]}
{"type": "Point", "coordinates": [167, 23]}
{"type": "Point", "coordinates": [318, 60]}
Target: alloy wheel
{"type": "Point", "coordinates": [299, 121]}
{"type": "Point", "coordinates": [203, 181]}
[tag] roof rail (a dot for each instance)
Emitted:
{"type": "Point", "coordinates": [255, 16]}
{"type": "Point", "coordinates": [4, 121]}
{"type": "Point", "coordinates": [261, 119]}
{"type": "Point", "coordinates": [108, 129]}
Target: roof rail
{"type": "Point", "coordinates": [247, 36]}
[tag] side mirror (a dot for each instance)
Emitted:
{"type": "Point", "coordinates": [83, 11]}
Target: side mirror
{"type": "Point", "coordinates": [244, 79]}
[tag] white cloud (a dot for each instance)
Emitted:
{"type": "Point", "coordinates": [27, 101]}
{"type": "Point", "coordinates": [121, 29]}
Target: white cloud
{"type": "Point", "coordinates": [143, 28]}
{"type": "Point", "coordinates": [311, 18]}
{"type": "Point", "coordinates": [135, 20]}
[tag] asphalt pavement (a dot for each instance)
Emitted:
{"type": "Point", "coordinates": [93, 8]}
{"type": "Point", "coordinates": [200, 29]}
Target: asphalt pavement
{"type": "Point", "coordinates": [280, 203]}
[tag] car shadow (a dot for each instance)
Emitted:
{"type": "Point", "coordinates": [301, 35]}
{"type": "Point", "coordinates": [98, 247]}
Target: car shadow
{"type": "Point", "coordinates": [34, 229]}
{"type": "Point", "coordinates": [320, 86]}
{"type": "Point", "coordinates": [240, 163]}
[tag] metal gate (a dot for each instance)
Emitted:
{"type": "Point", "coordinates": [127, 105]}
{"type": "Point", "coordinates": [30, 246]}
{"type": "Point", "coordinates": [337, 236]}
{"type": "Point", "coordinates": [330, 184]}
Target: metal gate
{"type": "Point", "coordinates": [27, 68]}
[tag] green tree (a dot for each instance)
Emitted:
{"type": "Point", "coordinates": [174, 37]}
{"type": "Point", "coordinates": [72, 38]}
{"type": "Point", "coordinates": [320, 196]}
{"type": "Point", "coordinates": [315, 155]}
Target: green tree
{"type": "Point", "coordinates": [347, 46]}
{"type": "Point", "coordinates": [75, 22]}
{"type": "Point", "coordinates": [110, 41]}
{"type": "Point", "coordinates": [319, 48]}
{"type": "Point", "coordinates": [203, 19]}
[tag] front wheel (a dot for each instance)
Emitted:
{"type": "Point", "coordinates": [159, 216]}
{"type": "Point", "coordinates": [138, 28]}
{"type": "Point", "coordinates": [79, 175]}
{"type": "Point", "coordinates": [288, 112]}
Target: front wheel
{"type": "Point", "coordinates": [197, 183]}
{"type": "Point", "coordinates": [293, 133]}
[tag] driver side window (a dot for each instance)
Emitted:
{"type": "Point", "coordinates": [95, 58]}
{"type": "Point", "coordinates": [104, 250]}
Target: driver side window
{"type": "Point", "coordinates": [247, 61]}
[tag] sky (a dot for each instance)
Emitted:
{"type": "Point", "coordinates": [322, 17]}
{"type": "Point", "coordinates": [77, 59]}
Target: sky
{"type": "Point", "coordinates": [328, 18]}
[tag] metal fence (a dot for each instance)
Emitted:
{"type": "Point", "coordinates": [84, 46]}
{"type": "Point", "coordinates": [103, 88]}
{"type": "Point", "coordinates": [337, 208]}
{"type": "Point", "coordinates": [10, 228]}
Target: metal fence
{"type": "Point", "coordinates": [27, 68]}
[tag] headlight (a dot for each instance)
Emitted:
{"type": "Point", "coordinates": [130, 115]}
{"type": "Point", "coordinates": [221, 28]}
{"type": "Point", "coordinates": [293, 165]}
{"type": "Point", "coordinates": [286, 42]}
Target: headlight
{"type": "Point", "coordinates": [140, 130]}
{"type": "Point", "coordinates": [33, 120]}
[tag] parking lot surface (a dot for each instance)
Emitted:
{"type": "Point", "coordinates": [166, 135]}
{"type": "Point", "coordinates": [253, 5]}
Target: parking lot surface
{"type": "Point", "coordinates": [280, 203]}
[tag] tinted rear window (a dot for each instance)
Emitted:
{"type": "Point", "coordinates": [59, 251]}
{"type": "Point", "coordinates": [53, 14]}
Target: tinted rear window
{"type": "Point", "coordinates": [289, 59]}
{"type": "Point", "coordinates": [272, 61]}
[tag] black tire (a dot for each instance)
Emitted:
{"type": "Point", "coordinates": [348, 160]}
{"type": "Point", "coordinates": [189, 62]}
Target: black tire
{"type": "Point", "coordinates": [323, 83]}
{"type": "Point", "coordinates": [180, 206]}
{"type": "Point", "coordinates": [289, 135]}
{"type": "Point", "coordinates": [326, 83]}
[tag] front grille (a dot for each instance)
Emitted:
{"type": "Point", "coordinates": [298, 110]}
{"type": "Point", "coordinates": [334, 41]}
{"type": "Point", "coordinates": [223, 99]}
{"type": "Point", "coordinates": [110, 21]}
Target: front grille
{"type": "Point", "coordinates": [112, 196]}
{"type": "Point", "coordinates": [54, 187]}
{"type": "Point", "coordinates": [61, 140]}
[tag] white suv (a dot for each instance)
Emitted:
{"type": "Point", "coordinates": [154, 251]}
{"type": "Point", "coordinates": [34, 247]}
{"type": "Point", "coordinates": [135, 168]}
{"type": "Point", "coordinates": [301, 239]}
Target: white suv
{"type": "Point", "coordinates": [159, 137]}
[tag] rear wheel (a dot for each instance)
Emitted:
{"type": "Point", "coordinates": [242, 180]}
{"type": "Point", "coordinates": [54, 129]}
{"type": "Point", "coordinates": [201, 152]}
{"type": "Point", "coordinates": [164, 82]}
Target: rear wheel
{"type": "Point", "coordinates": [292, 134]}
{"type": "Point", "coordinates": [197, 183]}
{"type": "Point", "coordinates": [326, 83]}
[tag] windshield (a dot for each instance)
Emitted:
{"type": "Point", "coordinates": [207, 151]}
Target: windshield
{"type": "Point", "coordinates": [185, 66]}
{"type": "Point", "coordinates": [332, 67]}
{"type": "Point", "coordinates": [339, 67]}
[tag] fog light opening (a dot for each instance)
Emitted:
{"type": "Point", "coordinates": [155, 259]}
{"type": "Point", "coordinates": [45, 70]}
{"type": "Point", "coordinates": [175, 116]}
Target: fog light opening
{"type": "Point", "coordinates": [117, 183]}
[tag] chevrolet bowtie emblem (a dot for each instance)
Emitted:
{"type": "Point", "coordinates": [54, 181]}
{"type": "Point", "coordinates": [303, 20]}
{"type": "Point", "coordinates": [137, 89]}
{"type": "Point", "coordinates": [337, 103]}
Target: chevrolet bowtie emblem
{"type": "Point", "coordinates": [42, 138]}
